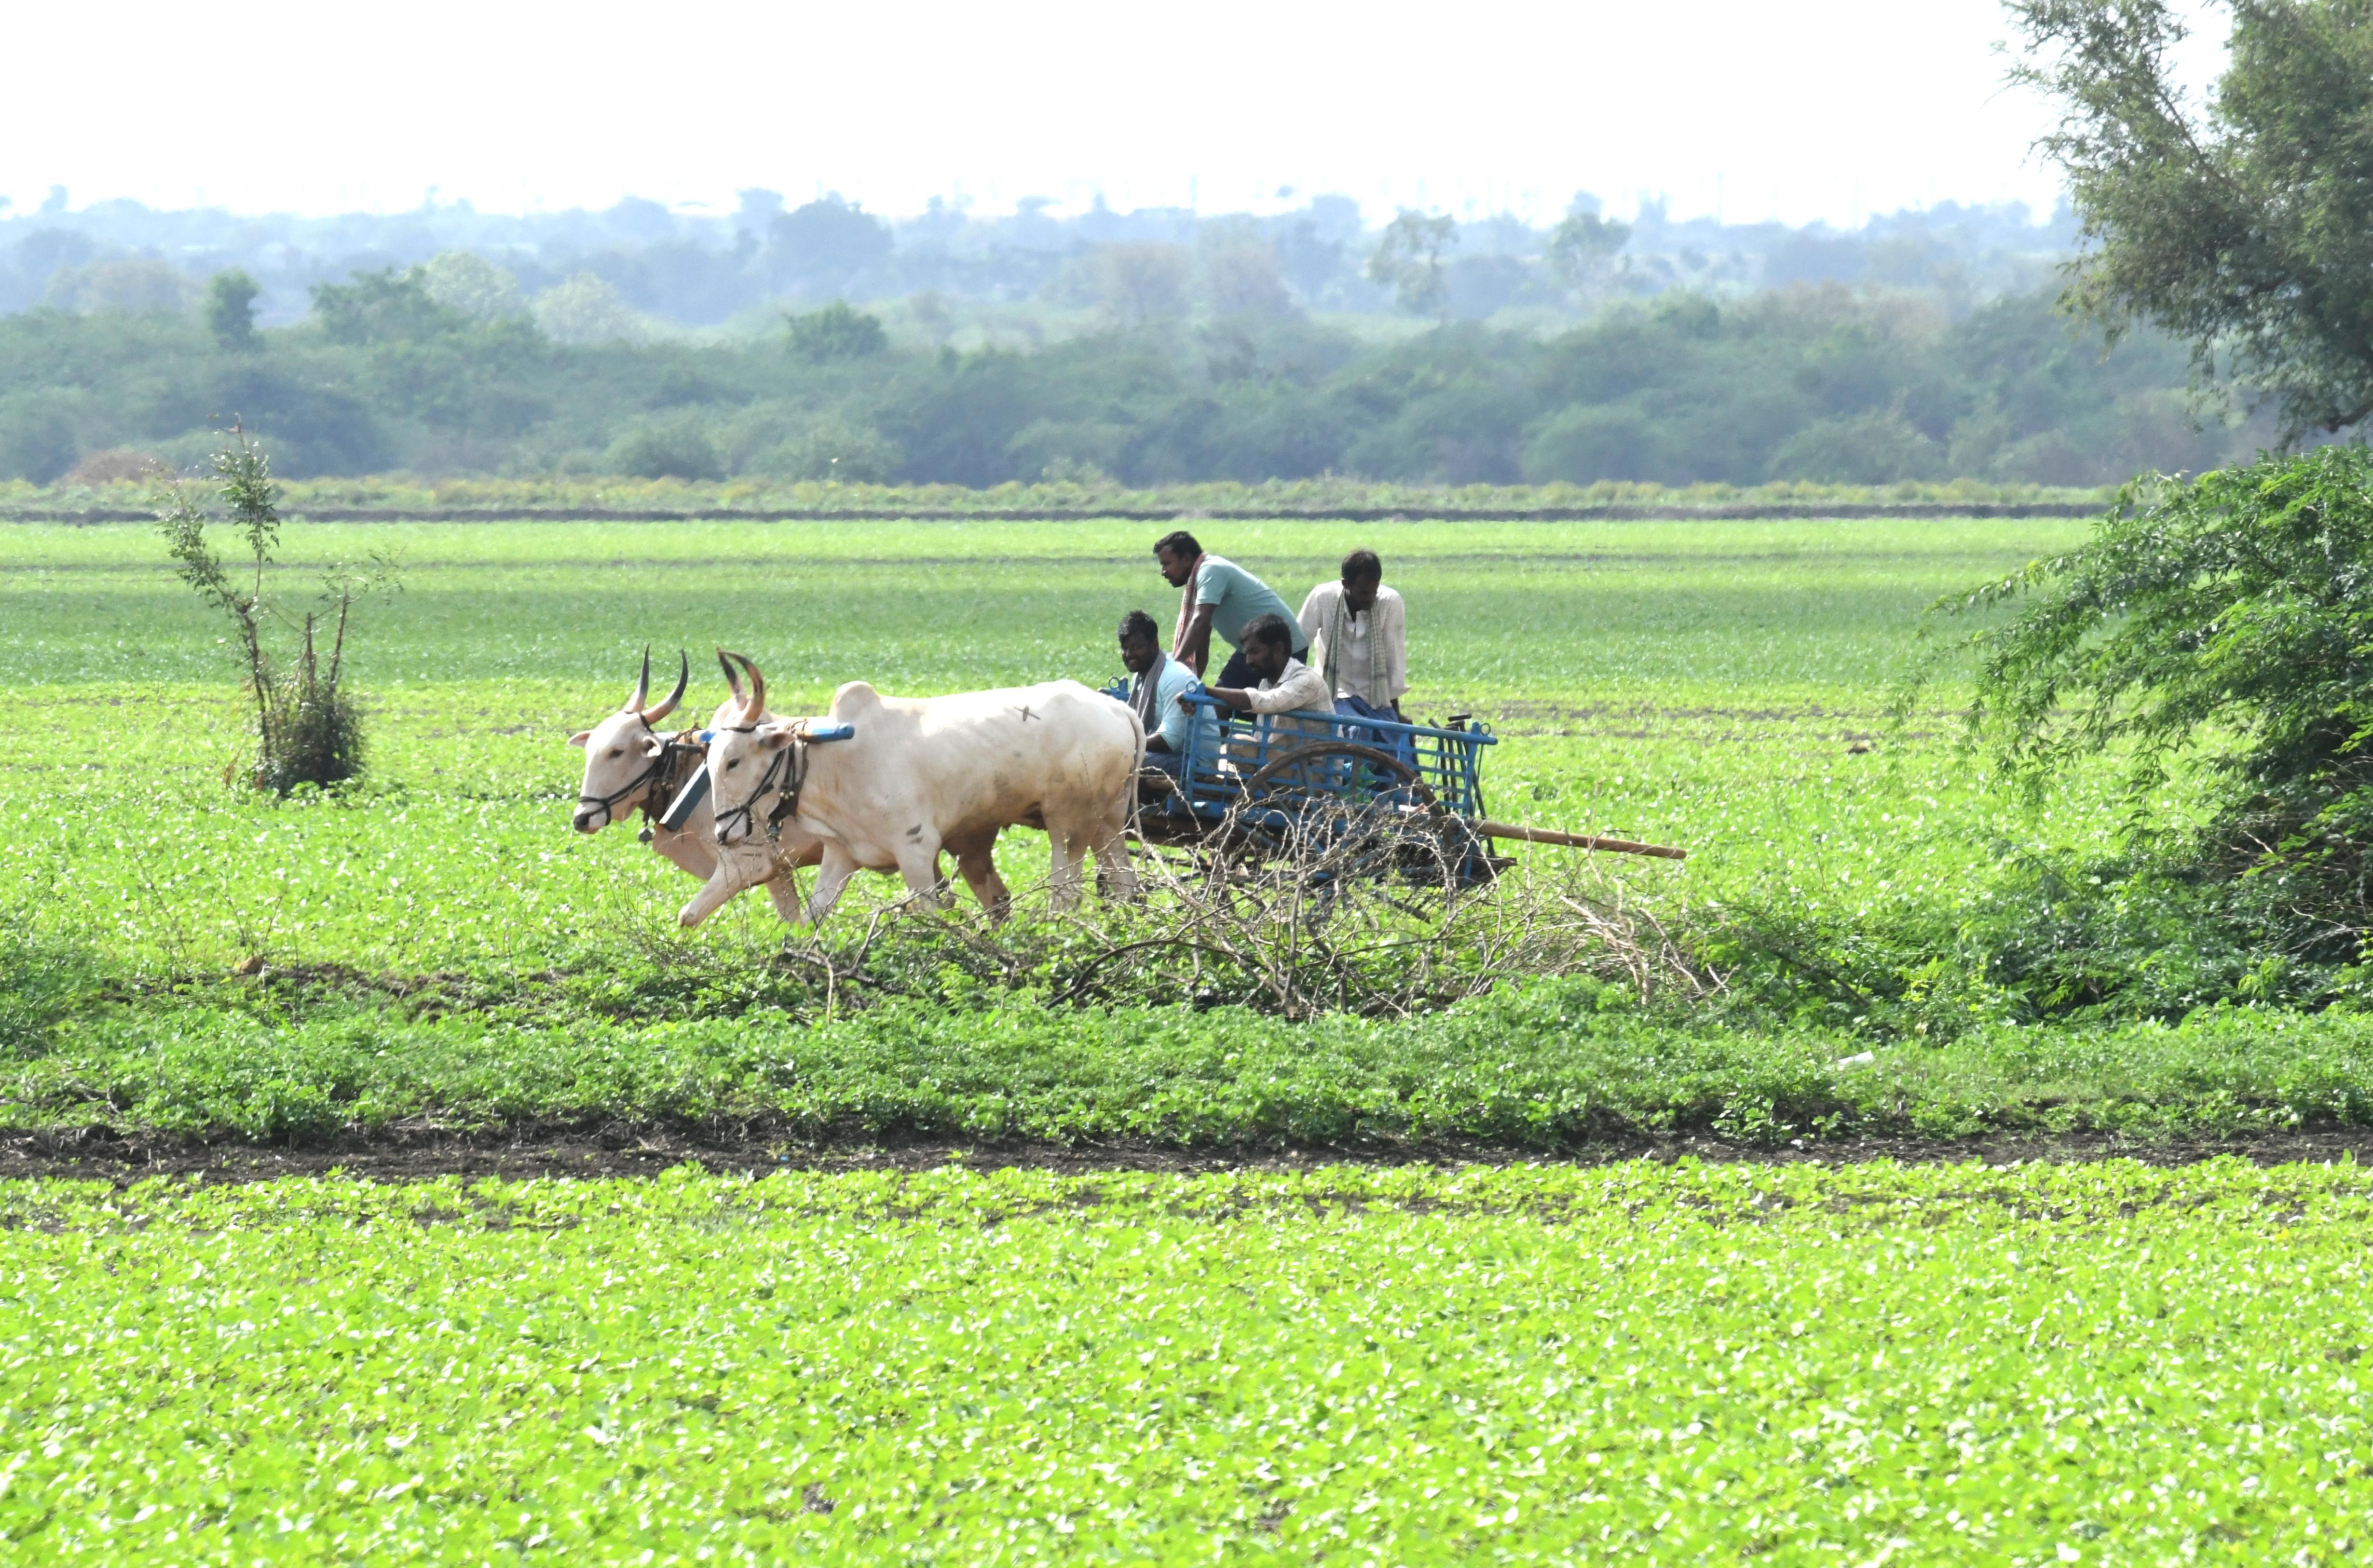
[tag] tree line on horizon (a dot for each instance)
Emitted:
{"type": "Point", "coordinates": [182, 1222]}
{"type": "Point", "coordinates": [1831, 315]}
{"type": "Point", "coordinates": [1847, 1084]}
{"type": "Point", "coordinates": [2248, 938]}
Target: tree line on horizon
{"type": "Point", "coordinates": [442, 370]}
{"type": "Point", "coordinates": [981, 275]}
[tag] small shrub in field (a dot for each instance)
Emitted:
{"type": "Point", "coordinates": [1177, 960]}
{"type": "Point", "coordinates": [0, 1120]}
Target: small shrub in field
{"type": "Point", "coordinates": [308, 729]}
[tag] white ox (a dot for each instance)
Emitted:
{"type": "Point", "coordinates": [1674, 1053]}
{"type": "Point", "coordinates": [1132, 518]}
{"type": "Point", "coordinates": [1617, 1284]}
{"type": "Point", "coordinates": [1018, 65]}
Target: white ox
{"type": "Point", "coordinates": [922, 775]}
{"type": "Point", "coordinates": [630, 767]}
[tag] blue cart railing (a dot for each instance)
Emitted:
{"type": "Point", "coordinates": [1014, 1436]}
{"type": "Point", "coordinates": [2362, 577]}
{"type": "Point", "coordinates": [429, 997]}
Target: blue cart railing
{"type": "Point", "coordinates": [1266, 783]}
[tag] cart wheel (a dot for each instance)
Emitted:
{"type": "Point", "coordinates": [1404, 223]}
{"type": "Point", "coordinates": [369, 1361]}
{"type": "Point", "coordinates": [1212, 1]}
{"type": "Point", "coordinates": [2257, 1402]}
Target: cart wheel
{"type": "Point", "coordinates": [1358, 837]}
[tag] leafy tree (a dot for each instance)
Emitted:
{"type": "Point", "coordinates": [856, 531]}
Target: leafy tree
{"type": "Point", "coordinates": [584, 309]}
{"type": "Point", "coordinates": [36, 440]}
{"type": "Point", "coordinates": [2229, 617]}
{"type": "Point", "coordinates": [2243, 223]}
{"type": "Point", "coordinates": [308, 731]}
{"type": "Point", "coordinates": [830, 238]}
{"type": "Point", "coordinates": [1243, 278]}
{"type": "Point", "coordinates": [1582, 244]}
{"type": "Point", "coordinates": [230, 309]}
{"type": "Point", "coordinates": [1140, 285]}
{"type": "Point", "coordinates": [471, 285]}
{"type": "Point", "coordinates": [384, 307]}
{"type": "Point", "coordinates": [1407, 259]}
{"type": "Point", "coordinates": [666, 448]}
{"type": "Point", "coordinates": [837, 331]}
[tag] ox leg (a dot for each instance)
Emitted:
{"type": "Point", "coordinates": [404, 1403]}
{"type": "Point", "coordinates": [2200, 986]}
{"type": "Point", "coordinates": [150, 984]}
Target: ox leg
{"type": "Point", "coordinates": [839, 866]}
{"type": "Point", "coordinates": [977, 858]}
{"type": "Point", "coordinates": [714, 894]}
{"type": "Point", "coordinates": [919, 862]}
{"type": "Point", "coordinates": [1071, 850]}
{"type": "Point", "coordinates": [684, 852]}
{"type": "Point", "coordinates": [784, 889]}
{"type": "Point", "coordinates": [1115, 877]}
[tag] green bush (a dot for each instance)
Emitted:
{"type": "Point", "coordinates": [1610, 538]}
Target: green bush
{"type": "Point", "coordinates": [669, 448]}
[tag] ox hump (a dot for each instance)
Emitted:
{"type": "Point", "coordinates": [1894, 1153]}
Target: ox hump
{"type": "Point", "coordinates": [855, 697]}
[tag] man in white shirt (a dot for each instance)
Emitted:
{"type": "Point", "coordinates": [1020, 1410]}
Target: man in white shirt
{"type": "Point", "coordinates": [1290, 691]}
{"type": "Point", "coordinates": [1359, 638]}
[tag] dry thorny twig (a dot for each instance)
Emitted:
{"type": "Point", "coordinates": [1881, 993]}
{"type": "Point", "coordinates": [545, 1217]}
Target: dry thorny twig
{"type": "Point", "coordinates": [1324, 920]}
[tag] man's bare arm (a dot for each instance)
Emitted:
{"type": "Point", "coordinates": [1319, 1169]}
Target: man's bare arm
{"type": "Point", "coordinates": [1235, 697]}
{"type": "Point", "coordinates": [1196, 650]}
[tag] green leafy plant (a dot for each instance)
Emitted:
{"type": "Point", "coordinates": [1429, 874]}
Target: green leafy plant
{"type": "Point", "coordinates": [308, 729]}
{"type": "Point", "coordinates": [2228, 620]}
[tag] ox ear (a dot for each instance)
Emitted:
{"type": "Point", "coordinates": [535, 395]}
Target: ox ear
{"type": "Point", "coordinates": [775, 737]}
{"type": "Point", "coordinates": [580, 737]}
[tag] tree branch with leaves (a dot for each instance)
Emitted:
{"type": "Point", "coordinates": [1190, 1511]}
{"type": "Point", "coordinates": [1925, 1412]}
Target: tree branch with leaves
{"type": "Point", "coordinates": [2241, 219]}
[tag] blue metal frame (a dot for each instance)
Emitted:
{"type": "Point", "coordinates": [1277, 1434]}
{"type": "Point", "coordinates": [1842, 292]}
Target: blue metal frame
{"type": "Point", "coordinates": [1221, 757]}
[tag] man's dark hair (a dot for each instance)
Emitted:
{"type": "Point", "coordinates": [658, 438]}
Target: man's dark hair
{"type": "Point", "coordinates": [1270, 632]}
{"type": "Point", "coordinates": [1180, 543]}
{"type": "Point", "coordinates": [1136, 624]}
{"type": "Point", "coordinates": [1362, 566]}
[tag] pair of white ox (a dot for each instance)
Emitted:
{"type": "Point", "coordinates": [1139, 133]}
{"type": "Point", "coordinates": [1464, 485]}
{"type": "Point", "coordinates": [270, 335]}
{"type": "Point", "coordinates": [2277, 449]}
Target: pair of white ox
{"type": "Point", "coordinates": [913, 778]}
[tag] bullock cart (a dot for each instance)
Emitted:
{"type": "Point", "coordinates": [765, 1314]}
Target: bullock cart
{"type": "Point", "coordinates": [1343, 797]}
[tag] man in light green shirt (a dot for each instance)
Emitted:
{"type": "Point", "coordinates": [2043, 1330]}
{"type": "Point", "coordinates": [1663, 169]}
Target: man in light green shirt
{"type": "Point", "coordinates": [1220, 597]}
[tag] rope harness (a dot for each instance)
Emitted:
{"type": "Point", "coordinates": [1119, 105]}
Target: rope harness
{"type": "Point", "coordinates": [659, 779]}
{"type": "Point", "coordinates": [787, 773]}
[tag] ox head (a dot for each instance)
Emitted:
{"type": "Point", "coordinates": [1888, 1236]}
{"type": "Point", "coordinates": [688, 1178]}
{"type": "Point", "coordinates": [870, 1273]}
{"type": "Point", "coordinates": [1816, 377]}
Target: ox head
{"type": "Point", "coordinates": [623, 755]}
{"type": "Point", "coordinates": [747, 771]}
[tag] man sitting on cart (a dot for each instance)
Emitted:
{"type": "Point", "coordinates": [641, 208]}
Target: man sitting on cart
{"type": "Point", "coordinates": [1292, 697]}
{"type": "Point", "coordinates": [1160, 682]}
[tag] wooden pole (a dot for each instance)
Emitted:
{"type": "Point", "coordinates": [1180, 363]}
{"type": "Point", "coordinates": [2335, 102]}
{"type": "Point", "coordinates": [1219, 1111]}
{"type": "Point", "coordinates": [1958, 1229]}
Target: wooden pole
{"type": "Point", "coordinates": [1573, 841]}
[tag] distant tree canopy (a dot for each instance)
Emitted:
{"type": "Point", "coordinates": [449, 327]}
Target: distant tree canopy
{"type": "Point", "coordinates": [2242, 224]}
{"type": "Point", "coordinates": [1407, 259]}
{"type": "Point", "coordinates": [230, 309]}
{"type": "Point", "coordinates": [434, 370]}
{"type": "Point", "coordinates": [837, 332]}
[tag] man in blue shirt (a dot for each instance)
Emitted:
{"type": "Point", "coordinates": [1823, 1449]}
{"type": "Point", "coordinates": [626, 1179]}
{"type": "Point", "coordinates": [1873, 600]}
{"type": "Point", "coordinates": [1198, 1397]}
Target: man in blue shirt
{"type": "Point", "coordinates": [1161, 681]}
{"type": "Point", "coordinates": [1220, 597]}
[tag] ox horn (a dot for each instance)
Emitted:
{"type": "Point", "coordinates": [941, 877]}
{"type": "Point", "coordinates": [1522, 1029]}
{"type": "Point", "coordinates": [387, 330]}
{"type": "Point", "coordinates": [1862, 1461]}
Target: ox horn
{"type": "Point", "coordinates": [642, 685]}
{"type": "Point", "coordinates": [756, 703]}
{"type": "Point", "coordinates": [733, 677]}
{"type": "Point", "coordinates": [683, 678]}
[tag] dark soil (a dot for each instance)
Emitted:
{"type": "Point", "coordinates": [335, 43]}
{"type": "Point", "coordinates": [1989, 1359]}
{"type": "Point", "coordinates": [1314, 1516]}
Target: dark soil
{"type": "Point", "coordinates": [103, 1154]}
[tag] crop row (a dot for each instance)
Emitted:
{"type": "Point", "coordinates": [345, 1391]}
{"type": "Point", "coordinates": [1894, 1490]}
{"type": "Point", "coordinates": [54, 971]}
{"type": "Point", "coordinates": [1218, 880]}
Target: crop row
{"type": "Point", "coordinates": [1558, 1064]}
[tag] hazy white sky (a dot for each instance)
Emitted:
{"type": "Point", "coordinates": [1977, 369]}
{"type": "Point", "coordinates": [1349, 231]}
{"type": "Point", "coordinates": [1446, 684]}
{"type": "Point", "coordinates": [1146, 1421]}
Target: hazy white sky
{"type": "Point", "coordinates": [1821, 108]}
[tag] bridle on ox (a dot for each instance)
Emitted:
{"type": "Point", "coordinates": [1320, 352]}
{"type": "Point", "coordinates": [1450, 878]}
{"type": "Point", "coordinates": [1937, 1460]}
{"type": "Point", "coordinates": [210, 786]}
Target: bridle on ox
{"type": "Point", "coordinates": [788, 772]}
{"type": "Point", "coordinates": [655, 778]}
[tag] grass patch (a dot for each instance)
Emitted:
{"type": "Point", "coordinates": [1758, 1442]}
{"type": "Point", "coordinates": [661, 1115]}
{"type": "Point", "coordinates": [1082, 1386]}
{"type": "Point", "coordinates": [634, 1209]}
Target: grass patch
{"type": "Point", "coordinates": [1554, 1065]}
{"type": "Point", "coordinates": [1627, 1364]}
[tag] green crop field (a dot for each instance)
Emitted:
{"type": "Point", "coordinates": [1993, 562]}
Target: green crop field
{"type": "Point", "coordinates": [2094, 1365]}
{"type": "Point", "coordinates": [1696, 683]}
{"type": "Point", "coordinates": [438, 950]}
{"type": "Point", "coordinates": [1875, 1363]}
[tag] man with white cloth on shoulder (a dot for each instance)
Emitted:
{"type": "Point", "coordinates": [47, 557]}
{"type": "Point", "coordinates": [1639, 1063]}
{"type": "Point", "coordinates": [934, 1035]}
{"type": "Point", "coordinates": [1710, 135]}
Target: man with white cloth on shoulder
{"type": "Point", "coordinates": [1292, 697]}
{"type": "Point", "coordinates": [1171, 725]}
{"type": "Point", "coordinates": [1359, 642]}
